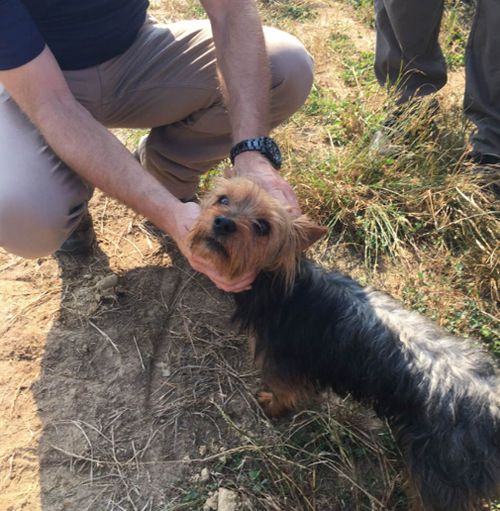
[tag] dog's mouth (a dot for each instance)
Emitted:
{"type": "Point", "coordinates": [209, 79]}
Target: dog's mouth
{"type": "Point", "coordinates": [216, 246]}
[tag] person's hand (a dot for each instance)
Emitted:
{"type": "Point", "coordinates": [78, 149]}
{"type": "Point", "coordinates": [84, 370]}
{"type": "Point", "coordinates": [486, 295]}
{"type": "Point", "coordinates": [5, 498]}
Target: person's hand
{"type": "Point", "coordinates": [185, 219]}
{"type": "Point", "coordinates": [257, 167]}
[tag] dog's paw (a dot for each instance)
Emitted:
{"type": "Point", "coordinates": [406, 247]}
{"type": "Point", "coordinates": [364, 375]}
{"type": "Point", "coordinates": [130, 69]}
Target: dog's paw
{"type": "Point", "coordinates": [271, 405]}
{"type": "Point", "coordinates": [265, 398]}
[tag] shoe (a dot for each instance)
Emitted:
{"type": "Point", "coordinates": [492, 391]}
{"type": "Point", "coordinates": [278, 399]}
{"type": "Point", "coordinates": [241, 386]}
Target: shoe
{"type": "Point", "coordinates": [487, 167]}
{"type": "Point", "coordinates": [81, 240]}
{"type": "Point", "coordinates": [139, 150]}
{"type": "Point", "coordinates": [482, 159]}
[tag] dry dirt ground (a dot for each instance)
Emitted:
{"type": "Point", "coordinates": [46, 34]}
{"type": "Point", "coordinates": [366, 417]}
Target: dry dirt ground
{"type": "Point", "coordinates": [121, 378]}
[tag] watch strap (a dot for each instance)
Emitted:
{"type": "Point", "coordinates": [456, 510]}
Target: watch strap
{"type": "Point", "coordinates": [263, 145]}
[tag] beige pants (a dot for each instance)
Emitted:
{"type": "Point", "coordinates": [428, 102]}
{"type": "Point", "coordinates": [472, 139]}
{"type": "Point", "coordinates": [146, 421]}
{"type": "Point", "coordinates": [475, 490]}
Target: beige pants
{"type": "Point", "coordinates": [165, 81]}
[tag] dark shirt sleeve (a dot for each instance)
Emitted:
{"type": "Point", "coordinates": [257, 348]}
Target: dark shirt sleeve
{"type": "Point", "coordinates": [20, 40]}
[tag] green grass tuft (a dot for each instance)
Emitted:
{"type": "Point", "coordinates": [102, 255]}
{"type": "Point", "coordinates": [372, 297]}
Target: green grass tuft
{"type": "Point", "coordinates": [296, 10]}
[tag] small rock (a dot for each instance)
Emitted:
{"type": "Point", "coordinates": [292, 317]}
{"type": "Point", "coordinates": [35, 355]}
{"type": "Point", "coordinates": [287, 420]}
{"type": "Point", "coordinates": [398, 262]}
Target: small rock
{"type": "Point", "coordinates": [107, 283]}
{"type": "Point", "coordinates": [205, 475]}
{"type": "Point", "coordinates": [228, 500]}
{"type": "Point", "coordinates": [164, 368]}
{"type": "Point", "coordinates": [211, 504]}
{"type": "Point", "coordinates": [203, 450]}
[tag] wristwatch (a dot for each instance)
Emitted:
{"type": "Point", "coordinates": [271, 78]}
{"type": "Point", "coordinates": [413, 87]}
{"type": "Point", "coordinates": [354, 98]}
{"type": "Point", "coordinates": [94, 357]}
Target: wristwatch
{"type": "Point", "coordinates": [263, 145]}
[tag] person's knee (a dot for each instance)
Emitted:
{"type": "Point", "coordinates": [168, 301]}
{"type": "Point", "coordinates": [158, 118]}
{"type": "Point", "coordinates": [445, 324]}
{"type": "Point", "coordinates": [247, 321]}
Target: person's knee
{"type": "Point", "coordinates": [31, 227]}
{"type": "Point", "coordinates": [292, 71]}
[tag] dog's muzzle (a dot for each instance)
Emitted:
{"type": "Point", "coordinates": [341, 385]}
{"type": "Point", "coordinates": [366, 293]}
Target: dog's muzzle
{"type": "Point", "coordinates": [223, 226]}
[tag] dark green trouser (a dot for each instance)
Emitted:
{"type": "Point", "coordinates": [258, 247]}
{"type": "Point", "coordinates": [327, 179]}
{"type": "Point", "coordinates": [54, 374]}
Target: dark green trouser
{"type": "Point", "coordinates": [408, 55]}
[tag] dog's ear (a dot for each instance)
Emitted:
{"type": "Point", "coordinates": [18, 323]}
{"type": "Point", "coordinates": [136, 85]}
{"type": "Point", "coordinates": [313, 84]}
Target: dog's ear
{"type": "Point", "coordinates": [307, 231]}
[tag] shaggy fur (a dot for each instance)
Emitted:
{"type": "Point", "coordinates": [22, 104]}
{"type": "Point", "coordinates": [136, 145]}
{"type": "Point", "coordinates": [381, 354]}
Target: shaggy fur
{"type": "Point", "coordinates": [311, 330]}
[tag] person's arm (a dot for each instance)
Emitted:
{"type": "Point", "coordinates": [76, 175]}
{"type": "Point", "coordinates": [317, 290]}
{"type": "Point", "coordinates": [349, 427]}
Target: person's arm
{"type": "Point", "coordinates": [40, 90]}
{"type": "Point", "coordinates": [245, 75]}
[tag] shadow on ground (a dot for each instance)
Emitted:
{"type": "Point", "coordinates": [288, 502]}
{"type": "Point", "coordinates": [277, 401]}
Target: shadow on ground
{"type": "Point", "coordinates": [130, 378]}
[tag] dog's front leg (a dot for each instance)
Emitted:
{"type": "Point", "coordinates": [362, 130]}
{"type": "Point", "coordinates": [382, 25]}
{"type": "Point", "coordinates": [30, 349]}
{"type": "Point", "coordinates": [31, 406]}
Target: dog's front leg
{"type": "Point", "coordinates": [281, 399]}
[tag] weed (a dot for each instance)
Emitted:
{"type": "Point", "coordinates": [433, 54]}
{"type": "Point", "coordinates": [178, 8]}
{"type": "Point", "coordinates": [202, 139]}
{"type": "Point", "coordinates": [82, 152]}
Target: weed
{"type": "Point", "coordinates": [297, 10]}
{"type": "Point", "coordinates": [358, 70]}
{"type": "Point", "coordinates": [364, 10]}
{"type": "Point", "coordinates": [455, 31]}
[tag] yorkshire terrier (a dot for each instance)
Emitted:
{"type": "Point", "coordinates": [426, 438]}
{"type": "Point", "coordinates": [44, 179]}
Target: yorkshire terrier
{"type": "Point", "coordinates": [312, 330]}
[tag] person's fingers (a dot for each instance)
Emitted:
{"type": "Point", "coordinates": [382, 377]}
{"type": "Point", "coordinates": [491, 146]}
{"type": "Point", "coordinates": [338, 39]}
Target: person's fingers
{"type": "Point", "coordinates": [234, 288]}
{"type": "Point", "coordinates": [198, 264]}
{"type": "Point", "coordinates": [240, 283]}
{"type": "Point", "coordinates": [246, 281]}
{"type": "Point", "coordinates": [288, 199]}
{"type": "Point", "coordinates": [293, 204]}
{"type": "Point", "coordinates": [295, 211]}
{"type": "Point", "coordinates": [222, 281]}
{"type": "Point", "coordinates": [278, 194]}
{"type": "Point", "coordinates": [276, 186]}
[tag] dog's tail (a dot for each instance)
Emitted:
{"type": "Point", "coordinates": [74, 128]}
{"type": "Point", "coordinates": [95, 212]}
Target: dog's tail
{"type": "Point", "coordinates": [449, 431]}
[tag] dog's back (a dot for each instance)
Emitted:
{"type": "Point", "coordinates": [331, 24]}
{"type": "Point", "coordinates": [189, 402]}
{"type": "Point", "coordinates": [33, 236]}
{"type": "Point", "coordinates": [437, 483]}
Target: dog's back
{"type": "Point", "coordinates": [452, 442]}
{"type": "Point", "coordinates": [439, 395]}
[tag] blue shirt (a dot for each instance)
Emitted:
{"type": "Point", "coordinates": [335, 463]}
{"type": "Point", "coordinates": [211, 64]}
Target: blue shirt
{"type": "Point", "coordinates": [80, 33]}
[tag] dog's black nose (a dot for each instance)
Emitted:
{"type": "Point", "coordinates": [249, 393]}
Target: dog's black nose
{"type": "Point", "coordinates": [223, 225]}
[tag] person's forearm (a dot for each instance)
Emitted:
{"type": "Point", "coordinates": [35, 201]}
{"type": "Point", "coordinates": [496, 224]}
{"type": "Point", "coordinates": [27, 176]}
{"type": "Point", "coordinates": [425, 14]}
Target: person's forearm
{"type": "Point", "coordinates": [245, 74]}
{"type": "Point", "coordinates": [97, 156]}
{"type": "Point", "coordinates": [243, 66]}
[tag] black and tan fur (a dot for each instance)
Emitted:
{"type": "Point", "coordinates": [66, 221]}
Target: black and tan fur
{"type": "Point", "coordinates": [311, 330]}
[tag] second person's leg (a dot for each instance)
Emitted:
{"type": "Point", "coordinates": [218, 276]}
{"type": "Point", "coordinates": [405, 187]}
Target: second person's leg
{"type": "Point", "coordinates": [408, 54]}
{"type": "Point", "coordinates": [482, 73]}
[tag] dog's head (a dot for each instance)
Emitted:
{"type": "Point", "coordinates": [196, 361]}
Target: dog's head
{"type": "Point", "coordinates": [242, 227]}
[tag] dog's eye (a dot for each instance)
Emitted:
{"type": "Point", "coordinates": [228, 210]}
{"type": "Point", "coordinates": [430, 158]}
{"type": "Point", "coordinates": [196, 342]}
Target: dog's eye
{"type": "Point", "coordinates": [224, 200]}
{"type": "Point", "coordinates": [262, 227]}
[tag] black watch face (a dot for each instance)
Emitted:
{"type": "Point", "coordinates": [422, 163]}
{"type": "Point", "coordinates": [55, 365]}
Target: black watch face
{"type": "Point", "coordinates": [264, 145]}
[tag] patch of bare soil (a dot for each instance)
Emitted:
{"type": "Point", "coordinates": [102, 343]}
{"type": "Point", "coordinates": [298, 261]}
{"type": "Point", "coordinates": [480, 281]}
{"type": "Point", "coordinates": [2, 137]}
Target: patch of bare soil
{"type": "Point", "coordinates": [124, 394]}
{"type": "Point", "coordinates": [118, 394]}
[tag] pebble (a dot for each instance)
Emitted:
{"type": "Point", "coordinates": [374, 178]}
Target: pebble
{"type": "Point", "coordinates": [205, 475]}
{"type": "Point", "coordinates": [108, 282]}
{"type": "Point", "coordinates": [212, 502]}
{"type": "Point", "coordinates": [227, 501]}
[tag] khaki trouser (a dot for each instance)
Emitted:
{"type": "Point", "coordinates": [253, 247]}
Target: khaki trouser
{"type": "Point", "coordinates": [408, 54]}
{"type": "Point", "coordinates": [165, 81]}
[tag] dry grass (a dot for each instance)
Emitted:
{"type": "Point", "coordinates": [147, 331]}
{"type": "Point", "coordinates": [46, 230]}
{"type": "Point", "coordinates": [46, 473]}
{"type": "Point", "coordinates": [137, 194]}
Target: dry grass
{"type": "Point", "coordinates": [424, 205]}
